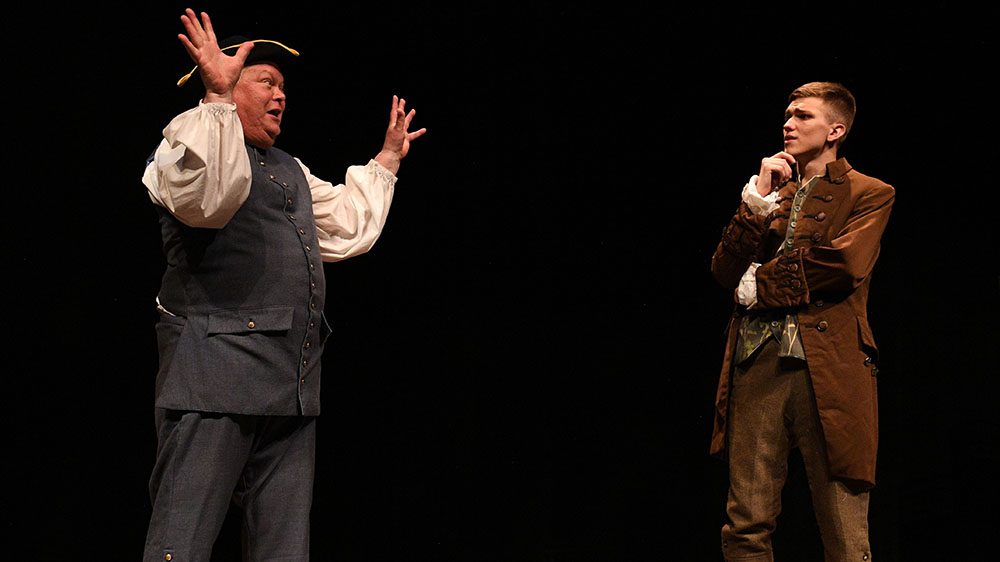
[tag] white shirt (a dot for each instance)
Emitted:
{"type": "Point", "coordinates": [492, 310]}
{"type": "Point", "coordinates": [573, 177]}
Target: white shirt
{"type": "Point", "coordinates": [201, 174]}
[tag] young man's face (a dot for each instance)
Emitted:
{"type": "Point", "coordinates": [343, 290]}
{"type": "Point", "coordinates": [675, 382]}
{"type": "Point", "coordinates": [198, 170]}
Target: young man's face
{"type": "Point", "coordinates": [260, 102]}
{"type": "Point", "coordinates": [807, 127]}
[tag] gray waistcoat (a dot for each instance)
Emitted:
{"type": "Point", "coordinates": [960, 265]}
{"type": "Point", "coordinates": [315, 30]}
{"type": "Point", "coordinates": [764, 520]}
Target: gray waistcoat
{"type": "Point", "coordinates": [248, 298]}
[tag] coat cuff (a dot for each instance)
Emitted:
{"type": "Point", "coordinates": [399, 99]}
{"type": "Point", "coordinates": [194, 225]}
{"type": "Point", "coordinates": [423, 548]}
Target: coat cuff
{"type": "Point", "coordinates": [781, 282]}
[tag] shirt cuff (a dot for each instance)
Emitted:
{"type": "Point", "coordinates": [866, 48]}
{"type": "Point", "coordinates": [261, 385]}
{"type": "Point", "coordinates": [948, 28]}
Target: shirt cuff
{"type": "Point", "coordinates": [746, 291]}
{"type": "Point", "coordinates": [759, 205]}
{"type": "Point", "coordinates": [382, 172]}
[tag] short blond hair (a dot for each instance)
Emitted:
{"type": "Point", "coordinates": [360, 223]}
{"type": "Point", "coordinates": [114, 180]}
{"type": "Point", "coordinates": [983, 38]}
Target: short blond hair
{"type": "Point", "coordinates": [839, 101]}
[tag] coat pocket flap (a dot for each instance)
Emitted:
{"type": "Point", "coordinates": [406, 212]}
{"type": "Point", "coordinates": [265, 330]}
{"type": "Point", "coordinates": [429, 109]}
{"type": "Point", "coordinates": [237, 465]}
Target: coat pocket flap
{"type": "Point", "coordinates": [241, 321]}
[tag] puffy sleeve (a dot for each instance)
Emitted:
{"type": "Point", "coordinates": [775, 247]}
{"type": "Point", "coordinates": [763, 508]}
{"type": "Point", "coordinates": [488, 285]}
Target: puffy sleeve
{"type": "Point", "coordinates": [350, 216]}
{"type": "Point", "coordinates": [200, 172]}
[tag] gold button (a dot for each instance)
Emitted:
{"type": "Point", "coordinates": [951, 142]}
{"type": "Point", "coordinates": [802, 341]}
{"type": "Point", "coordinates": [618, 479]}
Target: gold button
{"type": "Point", "coordinates": [251, 324]}
{"type": "Point", "coordinates": [168, 557]}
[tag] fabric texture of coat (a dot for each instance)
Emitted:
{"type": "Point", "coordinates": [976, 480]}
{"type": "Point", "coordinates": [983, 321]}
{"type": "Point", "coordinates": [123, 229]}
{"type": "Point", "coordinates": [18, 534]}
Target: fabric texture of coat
{"type": "Point", "coordinates": [824, 279]}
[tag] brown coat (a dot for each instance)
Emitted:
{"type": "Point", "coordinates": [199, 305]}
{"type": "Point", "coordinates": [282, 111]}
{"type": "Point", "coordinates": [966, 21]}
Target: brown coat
{"type": "Point", "coordinates": [824, 279]}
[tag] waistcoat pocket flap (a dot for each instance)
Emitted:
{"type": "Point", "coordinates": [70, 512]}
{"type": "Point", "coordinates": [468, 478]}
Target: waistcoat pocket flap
{"type": "Point", "coordinates": [249, 320]}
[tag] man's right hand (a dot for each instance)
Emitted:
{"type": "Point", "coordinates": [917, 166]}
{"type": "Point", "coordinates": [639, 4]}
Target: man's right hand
{"type": "Point", "coordinates": [774, 172]}
{"type": "Point", "coordinates": [219, 71]}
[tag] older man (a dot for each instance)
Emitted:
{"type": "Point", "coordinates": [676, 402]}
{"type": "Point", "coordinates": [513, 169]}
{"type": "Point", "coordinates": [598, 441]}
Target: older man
{"type": "Point", "coordinates": [799, 367]}
{"type": "Point", "coordinates": [246, 229]}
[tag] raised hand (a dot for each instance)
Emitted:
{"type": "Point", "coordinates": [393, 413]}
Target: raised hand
{"type": "Point", "coordinates": [397, 136]}
{"type": "Point", "coordinates": [774, 172]}
{"type": "Point", "coordinates": [219, 71]}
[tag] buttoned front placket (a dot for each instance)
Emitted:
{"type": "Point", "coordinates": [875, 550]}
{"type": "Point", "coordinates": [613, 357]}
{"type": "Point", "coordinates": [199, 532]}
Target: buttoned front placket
{"type": "Point", "coordinates": [309, 349]}
{"type": "Point", "coordinates": [790, 338]}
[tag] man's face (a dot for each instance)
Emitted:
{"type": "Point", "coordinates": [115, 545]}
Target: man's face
{"type": "Point", "coordinates": [260, 103]}
{"type": "Point", "coordinates": [807, 127]}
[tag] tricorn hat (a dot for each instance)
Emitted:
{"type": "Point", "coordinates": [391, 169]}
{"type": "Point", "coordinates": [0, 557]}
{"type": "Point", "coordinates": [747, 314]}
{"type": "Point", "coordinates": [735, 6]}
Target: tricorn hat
{"type": "Point", "coordinates": [264, 50]}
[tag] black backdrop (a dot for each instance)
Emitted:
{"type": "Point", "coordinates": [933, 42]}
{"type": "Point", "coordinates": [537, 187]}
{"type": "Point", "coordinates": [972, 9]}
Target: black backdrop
{"type": "Point", "coordinates": [523, 368]}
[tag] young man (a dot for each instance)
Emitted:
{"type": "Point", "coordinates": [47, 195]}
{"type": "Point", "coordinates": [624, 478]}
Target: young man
{"type": "Point", "coordinates": [246, 229]}
{"type": "Point", "coordinates": [799, 365]}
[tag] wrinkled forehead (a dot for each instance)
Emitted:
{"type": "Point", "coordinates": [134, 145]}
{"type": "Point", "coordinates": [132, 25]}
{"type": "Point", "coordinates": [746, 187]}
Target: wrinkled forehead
{"type": "Point", "coordinates": [258, 68]}
{"type": "Point", "coordinates": [811, 104]}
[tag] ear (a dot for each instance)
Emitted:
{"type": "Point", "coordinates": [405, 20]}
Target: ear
{"type": "Point", "coordinates": [837, 130]}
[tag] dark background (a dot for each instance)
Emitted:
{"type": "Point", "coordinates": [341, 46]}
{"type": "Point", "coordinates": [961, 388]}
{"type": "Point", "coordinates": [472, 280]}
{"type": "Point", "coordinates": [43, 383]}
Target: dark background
{"type": "Point", "coordinates": [524, 367]}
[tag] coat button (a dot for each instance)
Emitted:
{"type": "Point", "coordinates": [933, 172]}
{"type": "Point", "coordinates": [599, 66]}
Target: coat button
{"type": "Point", "coordinates": [820, 216]}
{"type": "Point", "coordinates": [289, 201]}
{"type": "Point", "coordinates": [828, 198]}
{"type": "Point", "coordinates": [874, 371]}
{"type": "Point", "coordinates": [302, 232]}
{"type": "Point", "coordinates": [816, 237]}
{"type": "Point", "coordinates": [822, 326]}
{"type": "Point", "coordinates": [796, 283]}
{"type": "Point", "coordinates": [251, 324]}
{"type": "Point", "coordinates": [168, 557]}
{"type": "Point", "coordinates": [819, 303]}
{"type": "Point", "coordinates": [793, 267]}
{"type": "Point", "coordinates": [868, 361]}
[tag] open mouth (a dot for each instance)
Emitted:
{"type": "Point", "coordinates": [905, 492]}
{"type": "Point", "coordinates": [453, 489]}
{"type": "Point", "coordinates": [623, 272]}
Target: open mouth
{"type": "Point", "coordinates": [275, 112]}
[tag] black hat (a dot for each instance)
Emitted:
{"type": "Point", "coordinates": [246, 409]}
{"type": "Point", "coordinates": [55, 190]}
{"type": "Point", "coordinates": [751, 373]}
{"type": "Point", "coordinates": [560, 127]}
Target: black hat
{"type": "Point", "coordinates": [264, 50]}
